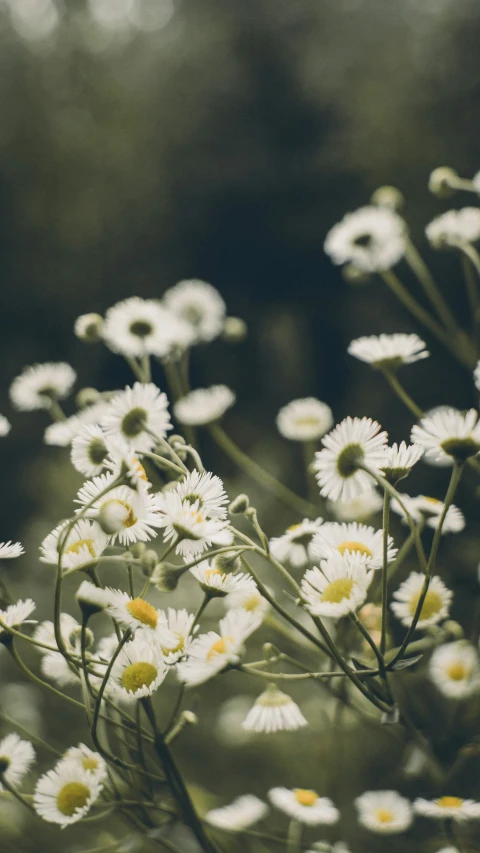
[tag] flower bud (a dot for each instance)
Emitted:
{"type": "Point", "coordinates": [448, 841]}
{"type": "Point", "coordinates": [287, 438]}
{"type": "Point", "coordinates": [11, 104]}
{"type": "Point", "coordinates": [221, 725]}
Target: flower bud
{"type": "Point", "coordinates": [388, 197]}
{"type": "Point", "coordinates": [148, 561]}
{"type": "Point", "coordinates": [441, 180]}
{"type": "Point", "coordinates": [165, 579]}
{"type": "Point", "coordinates": [137, 550]}
{"type": "Point", "coordinates": [235, 330]}
{"type": "Point", "coordinates": [90, 598]}
{"type": "Point", "coordinates": [113, 516]}
{"type": "Point", "coordinates": [227, 563]}
{"type": "Point", "coordinates": [89, 328]}
{"type": "Point", "coordinates": [190, 718]}
{"type": "Point", "coordinates": [176, 440]}
{"type": "Point", "coordinates": [87, 397]}
{"type": "Point", "coordinates": [74, 638]}
{"type": "Point", "coordinates": [239, 505]}
{"type": "Point", "coordinates": [453, 629]}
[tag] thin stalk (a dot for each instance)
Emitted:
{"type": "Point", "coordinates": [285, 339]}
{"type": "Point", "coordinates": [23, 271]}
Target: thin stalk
{"type": "Point", "coordinates": [430, 287]}
{"type": "Point", "coordinates": [36, 680]}
{"type": "Point", "coordinates": [399, 390]}
{"type": "Point", "coordinates": [294, 839]}
{"type": "Point", "coordinates": [386, 526]}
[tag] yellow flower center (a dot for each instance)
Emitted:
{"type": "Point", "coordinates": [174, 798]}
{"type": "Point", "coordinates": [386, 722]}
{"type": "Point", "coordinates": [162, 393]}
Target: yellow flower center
{"type": "Point", "coordinates": [306, 421]}
{"type": "Point", "coordinates": [450, 802]}
{"type": "Point", "coordinates": [178, 648]}
{"type": "Point", "coordinates": [210, 573]}
{"type": "Point", "coordinates": [305, 797]}
{"type": "Point", "coordinates": [77, 546]}
{"type": "Point", "coordinates": [89, 763]}
{"type": "Point", "coordinates": [338, 590]}
{"type": "Point", "coordinates": [384, 815]}
{"type": "Point", "coordinates": [431, 606]}
{"type": "Point", "coordinates": [251, 604]}
{"type": "Point", "coordinates": [140, 469]}
{"type": "Point", "coordinates": [130, 518]}
{"type": "Point", "coordinates": [219, 647]}
{"type": "Point", "coordinates": [458, 671]}
{"type": "Point", "coordinates": [294, 527]}
{"type": "Point", "coordinates": [143, 612]}
{"type": "Point", "coordinates": [359, 547]}
{"type": "Point", "coordinates": [71, 797]}
{"type": "Point", "coordinates": [433, 501]}
{"type": "Point", "coordinates": [138, 675]}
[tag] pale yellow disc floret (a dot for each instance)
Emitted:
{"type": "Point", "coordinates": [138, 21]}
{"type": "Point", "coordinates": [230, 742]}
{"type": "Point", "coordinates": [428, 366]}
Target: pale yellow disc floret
{"type": "Point", "coordinates": [337, 590]}
{"type": "Point", "coordinates": [138, 675]}
{"type": "Point", "coordinates": [143, 612]}
{"type": "Point", "coordinates": [305, 797]}
{"type": "Point", "coordinates": [70, 798]}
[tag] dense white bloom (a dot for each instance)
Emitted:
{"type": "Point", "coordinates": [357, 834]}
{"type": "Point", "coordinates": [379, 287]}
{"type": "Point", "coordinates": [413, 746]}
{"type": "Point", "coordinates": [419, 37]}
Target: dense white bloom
{"type": "Point", "coordinates": [137, 613]}
{"type": "Point", "coordinates": [123, 461]}
{"type": "Point", "coordinates": [206, 490]}
{"type": "Point", "coordinates": [371, 238]}
{"type": "Point", "coordinates": [88, 760]}
{"type": "Point", "coordinates": [210, 653]}
{"type": "Point", "coordinates": [352, 538]}
{"type": "Point", "coordinates": [307, 419]}
{"type": "Point", "coordinates": [180, 625]}
{"type": "Point", "coordinates": [134, 414]}
{"type": "Point", "coordinates": [294, 546]}
{"type": "Point", "coordinates": [435, 608]}
{"type": "Point", "coordinates": [91, 597]}
{"type": "Point", "coordinates": [11, 550]}
{"type": "Point", "coordinates": [243, 812]}
{"type": "Point", "coordinates": [455, 669]}
{"type": "Point", "coordinates": [38, 385]}
{"type": "Point", "coordinates": [89, 450]}
{"type": "Point", "coordinates": [5, 426]}
{"type": "Point", "coordinates": [204, 405]}
{"type": "Point", "coordinates": [338, 587]}
{"type": "Point", "coordinates": [16, 614]}
{"type": "Point", "coordinates": [200, 306]}
{"type": "Point", "coordinates": [215, 582]}
{"type": "Point", "coordinates": [448, 433]}
{"type": "Point", "coordinates": [353, 442]}
{"type": "Point", "coordinates": [399, 460]}
{"type": "Point", "coordinates": [16, 758]}
{"type": "Point", "coordinates": [136, 327]}
{"type": "Point", "coordinates": [248, 599]}
{"type": "Point", "coordinates": [304, 805]}
{"type": "Point", "coordinates": [123, 513]}
{"type": "Point", "coordinates": [64, 795]}
{"type": "Point", "coordinates": [189, 526]}
{"type": "Point", "coordinates": [274, 711]}
{"type": "Point", "coordinates": [53, 663]}
{"type": "Point", "coordinates": [62, 433]}
{"type": "Point", "coordinates": [360, 508]}
{"type": "Point", "coordinates": [388, 351]}
{"type": "Point", "coordinates": [85, 542]}
{"type": "Point", "coordinates": [139, 669]}
{"type": "Point", "coordinates": [453, 227]}
{"type": "Point", "coordinates": [429, 510]}
{"type": "Point", "coordinates": [384, 812]}
{"type": "Point", "coordinates": [454, 808]}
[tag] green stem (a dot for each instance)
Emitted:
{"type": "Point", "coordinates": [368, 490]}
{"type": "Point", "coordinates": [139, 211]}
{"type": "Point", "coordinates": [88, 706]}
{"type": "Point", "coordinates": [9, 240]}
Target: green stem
{"type": "Point", "coordinates": [36, 680]}
{"type": "Point", "coordinates": [430, 287]}
{"type": "Point", "coordinates": [386, 527]}
{"type": "Point", "coordinates": [294, 839]}
{"type": "Point", "coordinates": [399, 390]}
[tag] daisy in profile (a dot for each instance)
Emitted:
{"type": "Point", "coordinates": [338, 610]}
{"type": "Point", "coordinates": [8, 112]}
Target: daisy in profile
{"type": "Point", "coordinates": [429, 510]}
{"type": "Point", "coordinates": [244, 812]}
{"type": "Point", "coordinates": [138, 415]}
{"type": "Point", "coordinates": [384, 812]}
{"type": "Point", "coordinates": [85, 542]}
{"type": "Point", "coordinates": [11, 550]}
{"type": "Point", "coordinates": [180, 625]}
{"type": "Point", "coordinates": [123, 513]}
{"type": "Point", "coordinates": [295, 545]}
{"type": "Point", "coordinates": [360, 508]}
{"type": "Point", "coordinates": [249, 599]}
{"type": "Point", "coordinates": [454, 668]}
{"type": "Point", "coordinates": [274, 711]}
{"type": "Point", "coordinates": [5, 426]}
{"type": "Point", "coordinates": [448, 434]}
{"type": "Point", "coordinates": [307, 419]}
{"type": "Point", "coordinates": [338, 587]}
{"type": "Point", "coordinates": [352, 538]}
{"type": "Point", "coordinates": [435, 608]}
{"type": "Point", "coordinates": [200, 306]}
{"type": "Point", "coordinates": [388, 352]}
{"type": "Point", "coordinates": [399, 460]}
{"type": "Point", "coordinates": [372, 239]}
{"type": "Point", "coordinates": [354, 443]}
{"type": "Point", "coordinates": [62, 433]}
{"type": "Point", "coordinates": [448, 807]}
{"type": "Point", "coordinates": [137, 327]}
{"type": "Point", "coordinates": [217, 583]}
{"type": "Point", "coordinates": [65, 794]}
{"type": "Point", "coordinates": [206, 490]}
{"type": "Point", "coordinates": [89, 450]}
{"type": "Point", "coordinates": [16, 758]}
{"type": "Point", "coordinates": [138, 671]}
{"type": "Point", "coordinates": [15, 615]}
{"type": "Point", "coordinates": [304, 805]}
{"type": "Point", "coordinates": [40, 385]}
{"type": "Point", "coordinates": [210, 653]}
{"type": "Point", "coordinates": [189, 526]}
{"type": "Point", "coordinates": [204, 405]}
{"type": "Point", "coordinates": [88, 328]}
{"type": "Point", "coordinates": [454, 227]}
{"type": "Point", "coordinates": [88, 760]}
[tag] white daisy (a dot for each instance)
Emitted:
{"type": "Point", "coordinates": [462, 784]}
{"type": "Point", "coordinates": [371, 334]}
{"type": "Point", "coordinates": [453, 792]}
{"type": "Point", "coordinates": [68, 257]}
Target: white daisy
{"type": "Point", "coordinates": [139, 669]}
{"type": "Point", "coordinates": [200, 306]}
{"type": "Point", "coordinates": [352, 538]}
{"type": "Point", "coordinates": [38, 385]}
{"type": "Point", "coordinates": [248, 599]}
{"type": "Point", "coordinates": [243, 812]}
{"type": "Point", "coordinates": [16, 758]}
{"type": "Point", "coordinates": [85, 542]}
{"type": "Point", "coordinates": [218, 583]}
{"type": "Point", "coordinates": [294, 546]}
{"type": "Point", "coordinates": [188, 525]}
{"type": "Point", "coordinates": [91, 598]}
{"type": "Point", "coordinates": [207, 490]}
{"type": "Point", "coordinates": [307, 419]}
{"type": "Point", "coordinates": [135, 327]}
{"type": "Point", "coordinates": [88, 328]}
{"type": "Point", "coordinates": [204, 405]}
{"type": "Point", "coordinates": [338, 587]}
{"type": "Point", "coordinates": [53, 664]}
{"type": "Point", "coordinates": [435, 608]}
{"type": "Point", "coordinates": [353, 442]}
{"type": "Point", "coordinates": [89, 450]}
{"type": "Point", "coordinates": [384, 812]}
{"type": "Point", "coordinates": [274, 711]}
{"type": "Point", "coordinates": [454, 227]}
{"type": "Point", "coordinates": [371, 239]}
{"type": "Point", "coordinates": [123, 513]}
{"type": "Point", "coordinates": [62, 433]}
{"type": "Point", "coordinates": [5, 426]}
{"type": "Point", "coordinates": [388, 352]}
{"type": "Point", "coordinates": [138, 614]}
{"type": "Point", "coordinates": [15, 615]}
{"type": "Point", "coordinates": [210, 653]}
{"type": "Point", "coordinates": [360, 508]}
{"type": "Point", "coordinates": [89, 761]}
{"type": "Point", "coordinates": [64, 795]}
{"type": "Point", "coordinates": [455, 669]}
{"type": "Point", "coordinates": [304, 805]}
{"type": "Point", "coordinates": [10, 550]}
{"type": "Point", "coordinates": [429, 510]}
{"type": "Point", "coordinates": [453, 808]}
{"type": "Point", "coordinates": [137, 415]}
{"type": "Point", "coordinates": [448, 433]}
{"type": "Point", "coordinates": [399, 460]}
{"type": "Point", "coordinates": [123, 461]}
{"type": "Point", "coordinates": [180, 624]}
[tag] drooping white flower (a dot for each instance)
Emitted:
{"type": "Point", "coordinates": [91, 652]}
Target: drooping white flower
{"type": "Point", "coordinates": [199, 305]}
{"type": "Point", "coordinates": [388, 352]}
{"type": "Point", "coordinates": [210, 653]}
{"type": "Point", "coordinates": [91, 598]}
{"type": "Point", "coordinates": [294, 546]}
{"type": "Point", "coordinates": [89, 761]}
{"type": "Point", "coordinates": [274, 711]}
{"type": "Point", "coordinates": [16, 758]}
{"type": "Point", "coordinates": [384, 812]}
{"type": "Point", "coordinates": [139, 669]}
{"type": "Point", "coordinates": [360, 508]}
{"type": "Point", "coordinates": [306, 419]}
{"type": "Point", "coordinates": [429, 510]}
{"type": "Point", "coordinates": [453, 808]}
{"type": "Point", "coordinates": [138, 415]}
{"type": "Point", "coordinates": [304, 805]}
{"type": "Point", "coordinates": [85, 542]}
{"type": "Point", "coordinates": [352, 538]}
{"type": "Point", "coordinates": [180, 624]}
{"type": "Point", "coordinates": [353, 443]}
{"type": "Point", "coordinates": [399, 460]}
{"type": "Point", "coordinates": [206, 490]}
{"type": "Point", "coordinates": [39, 384]}
{"type": "Point", "coordinates": [435, 608]}
{"type": "Point", "coordinates": [11, 550]}
{"type": "Point", "coordinates": [204, 405]}
{"type": "Point", "coordinates": [245, 811]}
{"type": "Point", "coordinates": [136, 327]}
{"type": "Point", "coordinates": [215, 582]}
{"type": "Point", "coordinates": [88, 327]}
{"type": "Point", "coordinates": [454, 227]}
{"type": "Point", "coordinates": [189, 526]}
{"type": "Point", "coordinates": [138, 614]}
{"type": "Point", "coordinates": [122, 512]}
{"type": "Point", "coordinates": [454, 668]}
{"type": "Point", "coordinates": [62, 433]}
{"type": "Point", "coordinates": [338, 587]}
{"type": "Point", "coordinates": [371, 238]}
{"type": "Point", "coordinates": [89, 450]}
{"type": "Point", "coordinates": [448, 433]}
{"type": "Point", "coordinates": [15, 615]}
{"type": "Point", "coordinates": [65, 794]}
{"type": "Point", "coordinates": [5, 426]}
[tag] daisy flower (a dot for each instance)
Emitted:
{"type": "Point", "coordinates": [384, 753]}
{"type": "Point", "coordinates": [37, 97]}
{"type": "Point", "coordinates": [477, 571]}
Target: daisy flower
{"type": "Point", "coordinates": [294, 546]}
{"type": "Point", "coordinates": [15, 615]}
{"type": "Point", "coordinates": [16, 758]}
{"type": "Point", "coordinates": [137, 415]}
{"type": "Point", "coordinates": [360, 508]}
{"type": "Point", "coordinates": [53, 664]}
{"type": "Point", "coordinates": [352, 538]}
{"type": "Point", "coordinates": [453, 808]}
{"type": "Point", "coordinates": [88, 328]}
{"type": "Point", "coordinates": [91, 598]}
{"type": "Point", "coordinates": [338, 587]}
{"type": "Point", "coordinates": [248, 599]}
{"type": "Point", "coordinates": [435, 608]}
{"type": "Point", "coordinates": [210, 653]}
{"type": "Point", "coordinates": [372, 239]}
{"type": "Point", "coordinates": [388, 352]}
{"type": "Point", "coordinates": [304, 805]}
{"type": "Point", "coordinates": [188, 525]}
{"type": "Point", "coordinates": [274, 711]}
{"type": "Point", "coordinates": [218, 583]}
{"type": "Point", "coordinates": [204, 405]}
{"type": "Point", "coordinates": [206, 490]}
{"type": "Point", "coordinates": [200, 306]}
{"type": "Point", "coordinates": [5, 426]}
{"type": "Point", "coordinates": [180, 624]}
{"type": "Point", "coordinates": [65, 794]}
{"type": "Point", "coordinates": [123, 461]}
{"type": "Point", "coordinates": [137, 613]}
{"type": "Point", "coordinates": [85, 542]}
{"type": "Point", "coordinates": [138, 671]}
{"type": "Point", "coordinates": [136, 327]}
{"type": "Point", "coordinates": [10, 550]}
{"type": "Point", "coordinates": [243, 812]}
{"type": "Point", "coordinates": [62, 433]}
{"type": "Point", "coordinates": [89, 450]}
{"type": "Point", "coordinates": [38, 385]}
{"type": "Point", "coordinates": [307, 419]}
{"type": "Point", "coordinates": [89, 761]}
{"type": "Point", "coordinates": [399, 460]}
{"type": "Point", "coordinates": [353, 443]}
{"type": "Point", "coordinates": [429, 510]}
{"type": "Point", "coordinates": [454, 668]}
{"type": "Point", "coordinates": [122, 513]}
{"type": "Point", "coordinates": [384, 812]}
{"type": "Point", "coordinates": [453, 227]}
{"type": "Point", "coordinates": [448, 433]}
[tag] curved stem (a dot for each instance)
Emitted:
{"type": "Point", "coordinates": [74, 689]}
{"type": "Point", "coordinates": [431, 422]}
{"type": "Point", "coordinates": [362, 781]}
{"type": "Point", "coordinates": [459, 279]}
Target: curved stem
{"type": "Point", "coordinates": [402, 394]}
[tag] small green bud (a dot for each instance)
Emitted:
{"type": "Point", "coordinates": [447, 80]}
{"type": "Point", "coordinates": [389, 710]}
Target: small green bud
{"type": "Point", "coordinates": [149, 560]}
{"type": "Point", "coordinates": [137, 550]}
{"type": "Point", "coordinates": [176, 440]}
{"type": "Point", "coordinates": [239, 505]}
{"type": "Point", "coordinates": [227, 563]}
{"type": "Point", "coordinates": [190, 718]}
{"type": "Point", "coordinates": [453, 629]}
{"type": "Point", "coordinates": [440, 181]}
{"type": "Point", "coordinates": [165, 579]}
{"type": "Point", "coordinates": [389, 197]}
{"type": "Point", "coordinates": [235, 330]}
{"type": "Point", "coordinates": [87, 397]}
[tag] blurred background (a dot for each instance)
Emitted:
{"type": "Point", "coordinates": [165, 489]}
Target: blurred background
{"type": "Point", "coordinates": [146, 141]}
